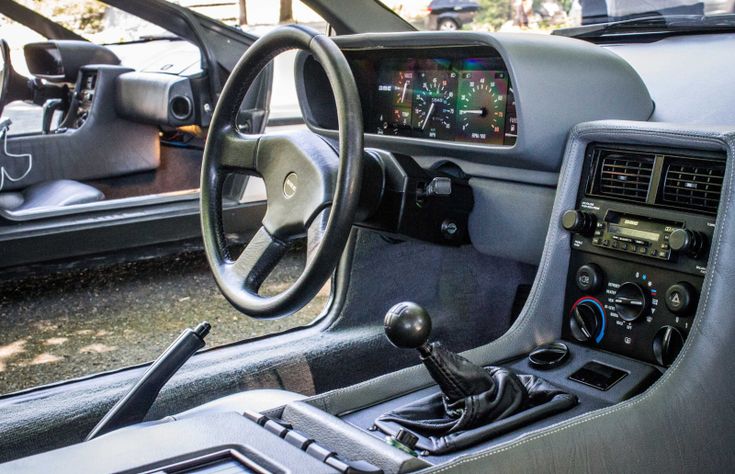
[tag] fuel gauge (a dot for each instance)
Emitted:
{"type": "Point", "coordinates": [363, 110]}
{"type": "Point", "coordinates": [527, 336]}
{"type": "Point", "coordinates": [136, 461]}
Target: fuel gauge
{"type": "Point", "coordinates": [395, 115]}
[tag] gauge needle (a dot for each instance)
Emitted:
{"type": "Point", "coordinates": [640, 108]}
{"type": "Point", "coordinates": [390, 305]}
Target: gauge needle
{"type": "Point", "coordinates": [428, 115]}
{"type": "Point", "coordinates": [403, 93]}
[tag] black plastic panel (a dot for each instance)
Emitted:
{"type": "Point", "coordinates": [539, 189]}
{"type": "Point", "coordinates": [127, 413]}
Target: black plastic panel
{"type": "Point", "coordinates": [61, 60]}
{"type": "Point", "coordinates": [634, 339]}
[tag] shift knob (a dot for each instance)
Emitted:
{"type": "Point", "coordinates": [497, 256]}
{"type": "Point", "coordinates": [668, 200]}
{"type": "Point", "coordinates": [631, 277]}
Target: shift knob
{"type": "Point", "coordinates": [407, 325]}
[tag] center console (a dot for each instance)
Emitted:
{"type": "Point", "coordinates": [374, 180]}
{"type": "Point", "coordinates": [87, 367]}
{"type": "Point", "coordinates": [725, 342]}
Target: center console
{"type": "Point", "coordinates": [641, 233]}
{"type": "Point", "coordinates": [641, 240]}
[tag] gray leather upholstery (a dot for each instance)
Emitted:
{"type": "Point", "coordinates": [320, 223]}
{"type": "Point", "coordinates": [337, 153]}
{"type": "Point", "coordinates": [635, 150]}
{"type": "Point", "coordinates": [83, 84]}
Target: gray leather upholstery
{"type": "Point", "coordinates": [683, 422]}
{"type": "Point", "coordinates": [56, 193]}
{"type": "Point", "coordinates": [254, 400]}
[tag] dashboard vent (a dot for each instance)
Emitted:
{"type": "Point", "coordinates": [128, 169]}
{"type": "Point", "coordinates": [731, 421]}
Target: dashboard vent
{"type": "Point", "coordinates": [623, 175]}
{"type": "Point", "coordinates": [692, 184]}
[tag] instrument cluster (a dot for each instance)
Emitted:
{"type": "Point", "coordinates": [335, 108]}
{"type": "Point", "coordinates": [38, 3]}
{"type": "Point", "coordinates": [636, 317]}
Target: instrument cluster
{"type": "Point", "coordinates": [465, 100]}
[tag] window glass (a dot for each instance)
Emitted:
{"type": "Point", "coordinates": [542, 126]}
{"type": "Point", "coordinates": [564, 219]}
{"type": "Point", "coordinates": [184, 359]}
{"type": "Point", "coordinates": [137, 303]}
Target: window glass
{"type": "Point", "coordinates": [96, 21]}
{"type": "Point", "coordinates": [98, 314]}
{"type": "Point", "coordinates": [543, 16]}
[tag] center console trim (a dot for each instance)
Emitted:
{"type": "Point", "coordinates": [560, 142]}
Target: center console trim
{"type": "Point", "coordinates": [540, 320]}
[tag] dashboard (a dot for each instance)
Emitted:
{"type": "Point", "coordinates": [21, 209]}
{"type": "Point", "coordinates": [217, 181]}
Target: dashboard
{"type": "Point", "coordinates": [452, 94]}
{"type": "Point", "coordinates": [474, 97]}
{"type": "Point", "coordinates": [453, 99]}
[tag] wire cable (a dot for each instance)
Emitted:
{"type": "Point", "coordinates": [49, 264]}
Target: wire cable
{"type": "Point", "coordinates": [3, 171]}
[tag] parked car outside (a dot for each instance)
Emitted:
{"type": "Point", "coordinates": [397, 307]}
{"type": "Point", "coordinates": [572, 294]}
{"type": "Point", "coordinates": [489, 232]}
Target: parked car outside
{"type": "Point", "coordinates": [450, 14]}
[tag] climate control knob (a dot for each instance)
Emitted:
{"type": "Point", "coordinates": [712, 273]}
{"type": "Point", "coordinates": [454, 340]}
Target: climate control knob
{"type": "Point", "coordinates": [577, 221]}
{"type": "Point", "coordinates": [631, 301]}
{"type": "Point", "coordinates": [585, 321]}
{"type": "Point", "coordinates": [667, 344]}
{"type": "Point", "coordinates": [687, 241]}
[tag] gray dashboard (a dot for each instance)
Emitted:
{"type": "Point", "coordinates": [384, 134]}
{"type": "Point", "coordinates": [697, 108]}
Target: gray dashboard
{"type": "Point", "coordinates": [554, 83]}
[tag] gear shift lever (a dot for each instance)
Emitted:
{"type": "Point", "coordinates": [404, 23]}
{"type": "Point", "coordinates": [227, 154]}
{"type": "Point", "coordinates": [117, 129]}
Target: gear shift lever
{"type": "Point", "coordinates": [475, 403]}
{"type": "Point", "coordinates": [408, 326]}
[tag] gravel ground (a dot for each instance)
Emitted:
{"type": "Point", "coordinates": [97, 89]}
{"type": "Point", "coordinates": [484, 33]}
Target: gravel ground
{"type": "Point", "coordinates": [63, 326]}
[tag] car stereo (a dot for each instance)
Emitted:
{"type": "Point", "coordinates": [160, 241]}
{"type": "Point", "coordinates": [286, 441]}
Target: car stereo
{"type": "Point", "coordinates": [635, 234]}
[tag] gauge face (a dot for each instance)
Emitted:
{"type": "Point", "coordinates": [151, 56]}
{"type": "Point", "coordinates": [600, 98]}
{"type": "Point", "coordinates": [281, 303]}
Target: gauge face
{"type": "Point", "coordinates": [395, 118]}
{"type": "Point", "coordinates": [481, 106]}
{"type": "Point", "coordinates": [434, 104]}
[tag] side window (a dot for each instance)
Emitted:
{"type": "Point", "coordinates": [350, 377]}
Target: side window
{"type": "Point", "coordinates": [92, 20]}
{"type": "Point", "coordinates": [257, 17]}
{"type": "Point", "coordinates": [107, 312]}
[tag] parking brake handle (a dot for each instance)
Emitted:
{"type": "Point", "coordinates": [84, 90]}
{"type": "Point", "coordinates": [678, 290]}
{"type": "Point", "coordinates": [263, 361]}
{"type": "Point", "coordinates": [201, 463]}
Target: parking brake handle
{"type": "Point", "coordinates": [134, 406]}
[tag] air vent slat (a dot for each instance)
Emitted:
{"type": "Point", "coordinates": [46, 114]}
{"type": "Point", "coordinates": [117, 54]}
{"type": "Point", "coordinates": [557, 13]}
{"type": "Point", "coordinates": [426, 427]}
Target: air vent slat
{"type": "Point", "coordinates": [692, 184]}
{"type": "Point", "coordinates": [624, 175]}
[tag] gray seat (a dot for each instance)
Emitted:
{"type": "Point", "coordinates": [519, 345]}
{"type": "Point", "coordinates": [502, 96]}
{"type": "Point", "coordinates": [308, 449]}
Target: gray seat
{"type": "Point", "coordinates": [56, 193]}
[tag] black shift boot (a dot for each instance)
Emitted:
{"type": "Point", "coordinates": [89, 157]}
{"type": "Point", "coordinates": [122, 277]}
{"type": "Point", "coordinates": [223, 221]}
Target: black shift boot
{"type": "Point", "coordinates": [474, 404]}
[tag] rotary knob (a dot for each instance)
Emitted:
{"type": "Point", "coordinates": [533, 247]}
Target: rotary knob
{"type": "Point", "coordinates": [688, 241]}
{"type": "Point", "coordinates": [577, 221]}
{"type": "Point", "coordinates": [667, 344]}
{"type": "Point", "coordinates": [631, 301]}
{"type": "Point", "coordinates": [585, 321]}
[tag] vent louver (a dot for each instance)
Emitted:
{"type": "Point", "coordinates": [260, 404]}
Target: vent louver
{"type": "Point", "coordinates": [623, 175]}
{"type": "Point", "coordinates": [692, 184]}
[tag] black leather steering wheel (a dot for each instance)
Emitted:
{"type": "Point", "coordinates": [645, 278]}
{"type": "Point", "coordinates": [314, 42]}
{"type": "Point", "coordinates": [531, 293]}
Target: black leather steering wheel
{"type": "Point", "coordinates": [305, 179]}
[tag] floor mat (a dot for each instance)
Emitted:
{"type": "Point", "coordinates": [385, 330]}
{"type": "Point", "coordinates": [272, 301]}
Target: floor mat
{"type": "Point", "coordinates": [180, 170]}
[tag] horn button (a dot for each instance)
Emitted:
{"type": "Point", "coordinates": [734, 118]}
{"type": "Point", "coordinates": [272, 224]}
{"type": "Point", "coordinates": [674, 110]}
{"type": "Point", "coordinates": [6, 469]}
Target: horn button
{"type": "Point", "coordinates": [300, 174]}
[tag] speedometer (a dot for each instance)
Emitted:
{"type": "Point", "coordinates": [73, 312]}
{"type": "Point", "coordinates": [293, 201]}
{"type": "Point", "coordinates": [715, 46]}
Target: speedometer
{"type": "Point", "coordinates": [481, 106]}
{"type": "Point", "coordinates": [434, 104]}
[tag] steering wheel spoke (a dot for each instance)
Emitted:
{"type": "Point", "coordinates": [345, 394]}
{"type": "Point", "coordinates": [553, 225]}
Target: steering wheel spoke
{"type": "Point", "coordinates": [238, 151]}
{"type": "Point", "coordinates": [258, 259]}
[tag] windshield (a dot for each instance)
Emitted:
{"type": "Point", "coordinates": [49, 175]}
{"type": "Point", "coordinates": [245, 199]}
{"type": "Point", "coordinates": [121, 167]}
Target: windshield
{"type": "Point", "coordinates": [96, 21]}
{"type": "Point", "coordinates": [550, 15]}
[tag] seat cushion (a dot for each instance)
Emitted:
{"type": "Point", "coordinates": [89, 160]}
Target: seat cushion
{"type": "Point", "coordinates": [56, 193]}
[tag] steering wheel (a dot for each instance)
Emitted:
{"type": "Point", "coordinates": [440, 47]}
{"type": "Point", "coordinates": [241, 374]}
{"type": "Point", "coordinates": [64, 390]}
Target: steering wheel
{"type": "Point", "coordinates": [312, 189]}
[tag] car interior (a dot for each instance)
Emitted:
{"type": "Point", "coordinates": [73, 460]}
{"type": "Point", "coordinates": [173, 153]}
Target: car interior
{"type": "Point", "coordinates": [150, 117]}
{"type": "Point", "coordinates": [525, 278]}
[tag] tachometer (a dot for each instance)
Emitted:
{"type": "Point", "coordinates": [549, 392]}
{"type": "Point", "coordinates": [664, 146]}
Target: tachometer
{"type": "Point", "coordinates": [434, 104]}
{"type": "Point", "coordinates": [481, 104]}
